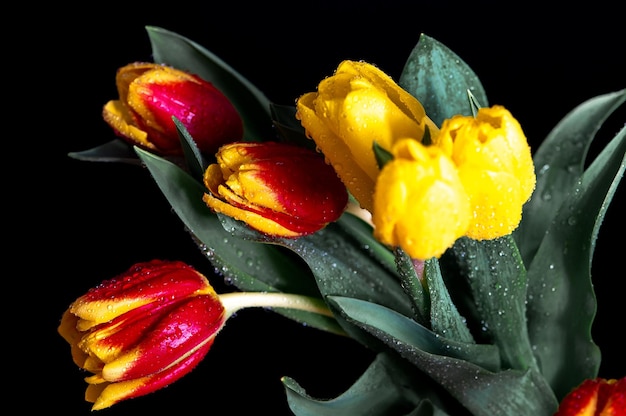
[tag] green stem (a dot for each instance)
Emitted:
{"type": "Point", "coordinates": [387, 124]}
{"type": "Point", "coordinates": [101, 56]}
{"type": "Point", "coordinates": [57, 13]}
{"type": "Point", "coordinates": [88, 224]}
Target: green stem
{"type": "Point", "coordinates": [239, 300]}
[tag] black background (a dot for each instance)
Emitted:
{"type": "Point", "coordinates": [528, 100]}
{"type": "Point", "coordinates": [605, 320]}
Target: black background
{"type": "Point", "coordinates": [90, 221]}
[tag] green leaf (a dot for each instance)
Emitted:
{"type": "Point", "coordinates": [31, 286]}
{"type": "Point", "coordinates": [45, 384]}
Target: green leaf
{"type": "Point", "coordinates": [362, 233]}
{"type": "Point", "coordinates": [493, 273]}
{"type": "Point", "coordinates": [246, 264]}
{"type": "Point", "coordinates": [413, 286]}
{"type": "Point", "coordinates": [452, 365]}
{"type": "Point", "coordinates": [288, 126]}
{"type": "Point", "coordinates": [559, 164]}
{"type": "Point", "coordinates": [195, 161]}
{"type": "Point", "coordinates": [408, 335]}
{"type": "Point", "coordinates": [383, 156]}
{"type": "Point", "coordinates": [445, 319]}
{"type": "Point", "coordinates": [343, 267]}
{"type": "Point", "coordinates": [561, 300]}
{"type": "Point", "coordinates": [440, 80]}
{"type": "Point", "coordinates": [179, 52]}
{"type": "Point", "coordinates": [387, 387]}
{"type": "Point", "coordinates": [345, 261]}
{"type": "Point", "coordinates": [113, 151]}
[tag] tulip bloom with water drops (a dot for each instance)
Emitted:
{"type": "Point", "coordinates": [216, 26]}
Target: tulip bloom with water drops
{"type": "Point", "coordinates": [495, 165]}
{"type": "Point", "coordinates": [420, 203]}
{"type": "Point", "coordinates": [355, 107]}
{"type": "Point", "coordinates": [153, 324]}
{"type": "Point", "coordinates": [595, 397]}
{"type": "Point", "coordinates": [142, 330]}
{"type": "Point", "coordinates": [275, 188]}
{"type": "Point", "coordinates": [150, 94]}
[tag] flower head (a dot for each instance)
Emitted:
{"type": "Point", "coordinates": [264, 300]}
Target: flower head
{"type": "Point", "coordinates": [420, 203]}
{"type": "Point", "coordinates": [595, 397]}
{"type": "Point", "coordinates": [151, 94]}
{"type": "Point", "coordinates": [495, 165]}
{"type": "Point", "coordinates": [142, 330]}
{"type": "Point", "coordinates": [355, 107]}
{"type": "Point", "coordinates": [276, 188]}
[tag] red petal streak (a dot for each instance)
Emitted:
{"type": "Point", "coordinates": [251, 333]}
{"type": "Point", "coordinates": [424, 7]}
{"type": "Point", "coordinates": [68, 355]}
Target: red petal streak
{"type": "Point", "coordinates": [141, 284]}
{"type": "Point", "coordinates": [109, 340]}
{"type": "Point", "coordinates": [181, 332]}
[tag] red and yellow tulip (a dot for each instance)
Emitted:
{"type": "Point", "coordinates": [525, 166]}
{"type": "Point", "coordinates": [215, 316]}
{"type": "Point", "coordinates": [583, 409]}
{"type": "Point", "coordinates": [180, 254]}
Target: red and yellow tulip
{"type": "Point", "coordinates": [150, 94]}
{"type": "Point", "coordinates": [142, 330]}
{"type": "Point", "coordinates": [595, 397]}
{"type": "Point", "coordinates": [276, 188]}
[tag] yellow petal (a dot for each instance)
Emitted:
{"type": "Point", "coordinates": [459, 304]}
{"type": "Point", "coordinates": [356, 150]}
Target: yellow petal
{"type": "Point", "coordinates": [420, 203]}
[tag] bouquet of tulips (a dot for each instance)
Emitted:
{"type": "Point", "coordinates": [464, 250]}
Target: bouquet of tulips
{"type": "Point", "coordinates": [411, 216]}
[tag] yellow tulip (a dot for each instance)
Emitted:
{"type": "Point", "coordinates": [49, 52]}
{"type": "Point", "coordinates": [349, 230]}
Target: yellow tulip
{"type": "Point", "coordinates": [495, 165]}
{"type": "Point", "coordinates": [355, 107]}
{"type": "Point", "coordinates": [420, 204]}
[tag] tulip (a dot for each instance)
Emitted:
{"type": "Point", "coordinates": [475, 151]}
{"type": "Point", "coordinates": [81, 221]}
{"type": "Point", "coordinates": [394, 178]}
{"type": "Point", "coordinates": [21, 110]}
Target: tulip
{"type": "Point", "coordinates": [595, 397]}
{"type": "Point", "coordinates": [420, 203]}
{"type": "Point", "coordinates": [142, 330]}
{"type": "Point", "coordinates": [276, 188]}
{"type": "Point", "coordinates": [495, 165]}
{"type": "Point", "coordinates": [355, 107]}
{"type": "Point", "coordinates": [150, 94]}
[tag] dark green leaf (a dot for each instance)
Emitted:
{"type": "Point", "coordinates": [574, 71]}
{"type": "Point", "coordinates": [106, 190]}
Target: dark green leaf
{"type": "Point", "coordinates": [387, 387]}
{"type": "Point", "coordinates": [445, 319]}
{"type": "Point", "coordinates": [363, 235]}
{"type": "Point", "coordinates": [561, 300]}
{"type": "Point", "coordinates": [474, 103]}
{"type": "Point", "coordinates": [113, 151]}
{"type": "Point", "coordinates": [440, 80]}
{"type": "Point", "coordinates": [179, 52]}
{"type": "Point", "coordinates": [404, 334]}
{"type": "Point", "coordinates": [345, 261]}
{"type": "Point", "coordinates": [383, 156]}
{"type": "Point", "coordinates": [415, 289]}
{"type": "Point", "coordinates": [426, 138]}
{"type": "Point", "coordinates": [343, 267]}
{"type": "Point", "coordinates": [482, 392]}
{"type": "Point", "coordinates": [248, 265]}
{"type": "Point", "coordinates": [559, 164]}
{"type": "Point", "coordinates": [495, 275]}
{"type": "Point", "coordinates": [288, 127]}
{"type": "Point", "coordinates": [193, 156]}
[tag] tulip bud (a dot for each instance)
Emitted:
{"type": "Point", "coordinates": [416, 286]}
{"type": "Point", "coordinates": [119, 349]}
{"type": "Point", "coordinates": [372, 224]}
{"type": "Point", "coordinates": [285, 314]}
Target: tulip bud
{"type": "Point", "coordinates": [595, 397]}
{"type": "Point", "coordinates": [420, 203]}
{"type": "Point", "coordinates": [142, 330]}
{"type": "Point", "coordinates": [276, 188]}
{"type": "Point", "coordinates": [495, 166]}
{"type": "Point", "coordinates": [150, 94]}
{"type": "Point", "coordinates": [355, 107]}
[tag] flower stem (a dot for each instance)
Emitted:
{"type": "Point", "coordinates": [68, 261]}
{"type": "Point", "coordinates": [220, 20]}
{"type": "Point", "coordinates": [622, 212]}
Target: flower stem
{"type": "Point", "coordinates": [239, 300]}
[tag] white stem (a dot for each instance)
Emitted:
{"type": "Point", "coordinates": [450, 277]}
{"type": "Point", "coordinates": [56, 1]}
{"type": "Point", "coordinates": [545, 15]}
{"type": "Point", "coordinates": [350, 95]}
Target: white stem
{"type": "Point", "coordinates": [239, 300]}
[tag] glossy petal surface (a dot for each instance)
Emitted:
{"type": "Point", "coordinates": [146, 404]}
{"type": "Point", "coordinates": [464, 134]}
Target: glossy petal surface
{"type": "Point", "coordinates": [142, 330]}
{"type": "Point", "coordinates": [355, 107]}
{"type": "Point", "coordinates": [275, 188]}
{"type": "Point", "coordinates": [420, 203]}
{"type": "Point", "coordinates": [495, 165]}
{"type": "Point", "coordinates": [151, 94]}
